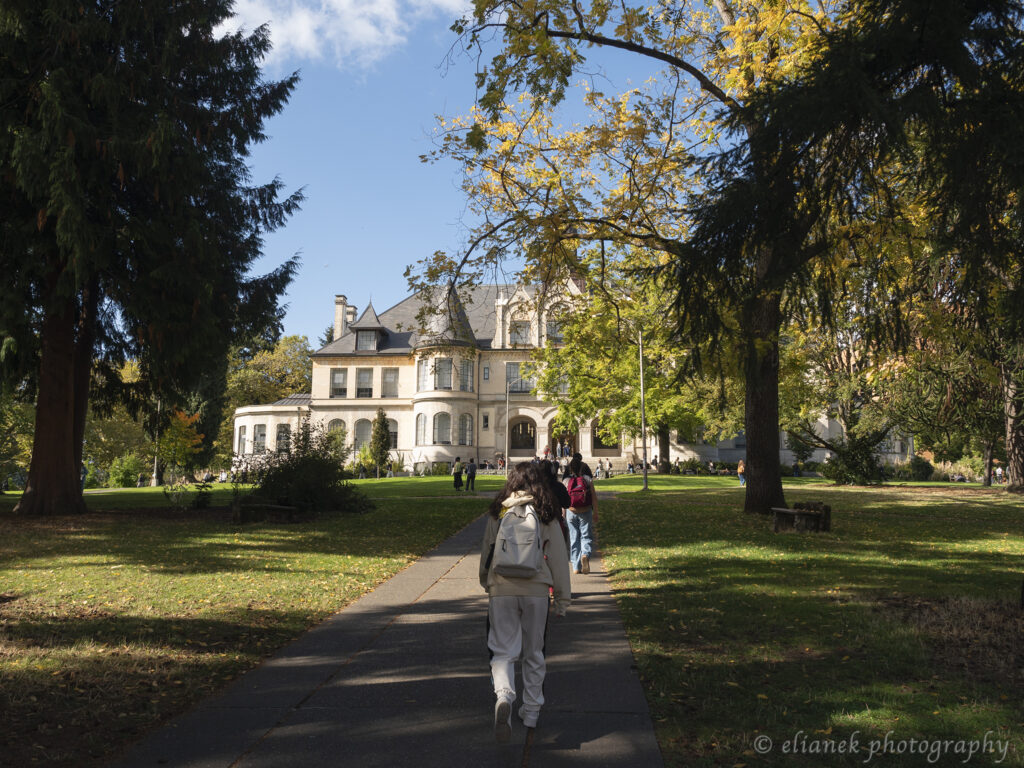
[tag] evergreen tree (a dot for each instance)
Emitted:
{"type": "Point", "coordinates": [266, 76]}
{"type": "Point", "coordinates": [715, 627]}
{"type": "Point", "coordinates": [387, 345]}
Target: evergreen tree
{"type": "Point", "coordinates": [130, 223]}
{"type": "Point", "coordinates": [380, 441]}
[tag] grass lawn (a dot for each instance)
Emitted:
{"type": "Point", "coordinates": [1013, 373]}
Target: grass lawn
{"type": "Point", "coordinates": [113, 621]}
{"type": "Point", "coordinates": [904, 620]}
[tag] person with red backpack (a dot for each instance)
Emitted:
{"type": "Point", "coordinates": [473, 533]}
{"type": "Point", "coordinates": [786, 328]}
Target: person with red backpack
{"type": "Point", "coordinates": [580, 516]}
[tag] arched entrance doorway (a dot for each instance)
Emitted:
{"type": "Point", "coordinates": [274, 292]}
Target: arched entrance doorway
{"type": "Point", "coordinates": [522, 437]}
{"type": "Point", "coordinates": [562, 442]}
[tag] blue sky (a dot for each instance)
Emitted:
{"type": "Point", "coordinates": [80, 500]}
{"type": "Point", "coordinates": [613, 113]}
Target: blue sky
{"type": "Point", "coordinates": [373, 79]}
{"type": "Point", "coordinates": [375, 74]}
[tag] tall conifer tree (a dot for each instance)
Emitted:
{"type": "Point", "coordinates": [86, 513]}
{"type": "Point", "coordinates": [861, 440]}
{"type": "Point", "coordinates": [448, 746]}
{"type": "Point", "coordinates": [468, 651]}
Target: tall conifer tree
{"type": "Point", "coordinates": [129, 219]}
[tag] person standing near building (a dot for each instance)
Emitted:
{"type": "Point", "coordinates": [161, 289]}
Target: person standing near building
{"type": "Point", "coordinates": [517, 611]}
{"type": "Point", "coordinates": [741, 472]}
{"type": "Point", "coordinates": [471, 475]}
{"type": "Point", "coordinates": [580, 517]}
{"type": "Point", "coordinates": [457, 473]}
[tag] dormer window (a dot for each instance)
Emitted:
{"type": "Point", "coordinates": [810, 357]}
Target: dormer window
{"type": "Point", "coordinates": [519, 332]}
{"type": "Point", "coordinates": [366, 341]}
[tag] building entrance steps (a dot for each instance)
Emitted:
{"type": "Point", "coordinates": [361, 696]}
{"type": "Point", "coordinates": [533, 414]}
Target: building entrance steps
{"type": "Point", "coordinates": [401, 678]}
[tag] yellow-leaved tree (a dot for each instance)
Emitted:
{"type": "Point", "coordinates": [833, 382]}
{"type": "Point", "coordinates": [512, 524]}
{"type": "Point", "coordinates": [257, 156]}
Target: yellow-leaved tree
{"type": "Point", "coordinates": [631, 167]}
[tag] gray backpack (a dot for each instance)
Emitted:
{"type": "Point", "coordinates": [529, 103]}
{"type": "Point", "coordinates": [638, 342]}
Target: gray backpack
{"type": "Point", "coordinates": [518, 549]}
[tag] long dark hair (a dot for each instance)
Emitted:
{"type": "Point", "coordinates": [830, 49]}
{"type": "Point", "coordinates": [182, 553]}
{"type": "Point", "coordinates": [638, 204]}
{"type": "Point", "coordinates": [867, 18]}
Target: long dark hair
{"type": "Point", "coordinates": [526, 476]}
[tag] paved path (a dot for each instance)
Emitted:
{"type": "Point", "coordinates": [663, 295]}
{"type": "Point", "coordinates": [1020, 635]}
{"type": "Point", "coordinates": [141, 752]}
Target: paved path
{"type": "Point", "coordinates": [400, 678]}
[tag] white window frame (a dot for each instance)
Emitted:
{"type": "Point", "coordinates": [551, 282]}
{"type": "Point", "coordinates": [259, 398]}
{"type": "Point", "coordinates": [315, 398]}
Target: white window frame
{"type": "Point", "coordinates": [386, 391]}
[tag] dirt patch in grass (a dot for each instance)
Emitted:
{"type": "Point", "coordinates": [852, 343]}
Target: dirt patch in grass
{"type": "Point", "coordinates": [981, 639]}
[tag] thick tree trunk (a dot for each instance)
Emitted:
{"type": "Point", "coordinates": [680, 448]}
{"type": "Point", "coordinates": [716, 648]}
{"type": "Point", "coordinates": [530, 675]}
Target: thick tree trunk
{"type": "Point", "coordinates": [1013, 409]}
{"type": "Point", "coordinates": [664, 446]}
{"type": "Point", "coordinates": [762, 319]}
{"type": "Point", "coordinates": [85, 343]}
{"type": "Point", "coordinates": [54, 482]}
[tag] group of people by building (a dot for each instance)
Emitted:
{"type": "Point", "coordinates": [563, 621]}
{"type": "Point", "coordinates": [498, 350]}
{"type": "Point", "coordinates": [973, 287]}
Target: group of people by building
{"type": "Point", "coordinates": [540, 526]}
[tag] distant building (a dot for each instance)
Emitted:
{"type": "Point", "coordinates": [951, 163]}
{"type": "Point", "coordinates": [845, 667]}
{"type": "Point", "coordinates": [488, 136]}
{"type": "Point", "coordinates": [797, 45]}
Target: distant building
{"type": "Point", "coordinates": [445, 388]}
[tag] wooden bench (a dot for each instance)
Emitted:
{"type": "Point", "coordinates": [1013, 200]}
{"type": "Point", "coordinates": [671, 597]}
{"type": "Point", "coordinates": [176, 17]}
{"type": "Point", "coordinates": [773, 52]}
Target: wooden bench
{"type": "Point", "coordinates": [817, 519]}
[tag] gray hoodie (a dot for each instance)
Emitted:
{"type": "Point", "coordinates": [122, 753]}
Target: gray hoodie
{"type": "Point", "coordinates": [554, 575]}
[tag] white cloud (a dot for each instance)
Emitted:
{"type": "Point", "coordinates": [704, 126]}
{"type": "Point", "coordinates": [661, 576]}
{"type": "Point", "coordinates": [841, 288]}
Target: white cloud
{"type": "Point", "coordinates": [351, 32]}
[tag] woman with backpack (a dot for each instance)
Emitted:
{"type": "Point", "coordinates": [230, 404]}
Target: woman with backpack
{"type": "Point", "coordinates": [523, 558]}
{"type": "Point", "coordinates": [580, 517]}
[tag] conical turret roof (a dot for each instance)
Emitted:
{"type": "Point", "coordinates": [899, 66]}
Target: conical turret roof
{"type": "Point", "coordinates": [448, 323]}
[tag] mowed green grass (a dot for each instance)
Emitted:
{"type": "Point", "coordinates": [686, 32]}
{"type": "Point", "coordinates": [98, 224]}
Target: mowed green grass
{"type": "Point", "coordinates": [904, 620]}
{"type": "Point", "coordinates": [113, 621]}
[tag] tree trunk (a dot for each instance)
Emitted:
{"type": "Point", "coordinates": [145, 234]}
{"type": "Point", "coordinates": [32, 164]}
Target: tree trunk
{"type": "Point", "coordinates": [54, 483]}
{"type": "Point", "coordinates": [85, 343]}
{"type": "Point", "coordinates": [664, 446]}
{"type": "Point", "coordinates": [761, 319]}
{"type": "Point", "coordinates": [1013, 410]}
{"type": "Point", "coordinates": [987, 481]}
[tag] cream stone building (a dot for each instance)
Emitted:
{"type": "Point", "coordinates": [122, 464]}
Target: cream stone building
{"type": "Point", "coordinates": [454, 389]}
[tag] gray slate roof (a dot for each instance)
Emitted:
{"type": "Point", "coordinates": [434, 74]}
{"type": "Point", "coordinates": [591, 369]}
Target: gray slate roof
{"type": "Point", "coordinates": [295, 400]}
{"type": "Point", "coordinates": [472, 316]}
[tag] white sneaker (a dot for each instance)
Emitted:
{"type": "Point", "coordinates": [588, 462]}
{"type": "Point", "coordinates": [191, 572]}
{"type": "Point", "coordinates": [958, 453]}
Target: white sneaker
{"type": "Point", "coordinates": [529, 718]}
{"type": "Point", "coordinates": [503, 721]}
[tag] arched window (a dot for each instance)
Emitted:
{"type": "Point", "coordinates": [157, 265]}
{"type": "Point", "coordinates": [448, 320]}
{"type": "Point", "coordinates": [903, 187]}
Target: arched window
{"type": "Point", "coordinates": [599, 443]}
{"type": "Point", "coordinates": [442, 429]}
{"type": "Point", "coordinates": [393, 434]}
{"type": "Point", "coordinates": [284, 438]}
{"type": "Point", "coordinates": [555, 321]}
{"type": "Point", "coordinates": [421, 429]}
{"type": "Point", "coordinates": [523, 436]}
{"type": "Point", "coordinates": [363, 430]}
{"type": "Point", "coordinates": [336, 425]}
{"type": "Point", "coordinates": [465, 429]}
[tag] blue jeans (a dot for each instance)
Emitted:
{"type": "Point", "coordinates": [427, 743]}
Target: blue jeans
{"type": "Point", "coordinates": [581, 535]}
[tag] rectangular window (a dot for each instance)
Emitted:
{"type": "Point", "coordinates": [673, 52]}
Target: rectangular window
{"type": "Point", "coordinates": [443, 374]}
{"type": "Point", "coordinates": [487, 373]}
{"type": "Point", "coordinates": [486, 424]}
{"type": "Point", "coordinates": [514, 381]}
{"type": "Point", "coordinates": [259, 438]}
{"type": "Point", "coordinates": [555, 332]}
{"type": "Point", "coordinates": [366, 340]}
{"type": "Point", "coordinates": [241, 440]}
{"type": "Point", "coordinates": [339, 382]}
{"type": "Point", "coordinates": [563, 385]}
{"type": "Point", "coordinates": [364, 382]}
{"type": "Point", "coordinates": [389, 382]}
{"type": "Point", "coordinates": [465, 375]}
{"type": "Point", "coordinates": [519, 332]}
{"type": "Point", "coordinates": [422, 375]}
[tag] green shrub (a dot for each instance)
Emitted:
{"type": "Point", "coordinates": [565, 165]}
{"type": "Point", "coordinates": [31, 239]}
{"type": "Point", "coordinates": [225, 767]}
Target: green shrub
{"type": "Point", "coordinates": [440, 468]}
{"type": "Point", "coordinates": [919, 468]}
{"type": "Point", "coordinates": [125, 471]}
{"type": "Point", "coordinates": [310, 476]}
{"type": "Point", "coordinates": [853, 463]}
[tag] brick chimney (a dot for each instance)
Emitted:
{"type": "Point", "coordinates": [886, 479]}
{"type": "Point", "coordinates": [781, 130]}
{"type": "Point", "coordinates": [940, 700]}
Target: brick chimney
{"type": "Point", "coordinates": [341, 320]}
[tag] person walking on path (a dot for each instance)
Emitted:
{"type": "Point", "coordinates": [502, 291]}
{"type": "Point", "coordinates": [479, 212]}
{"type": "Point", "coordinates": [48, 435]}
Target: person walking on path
{"type": "Point", "coordinates": [741, 472]}
{"type": "Point", "coordinates": [471, 475]}
{"type": "Point", "coordinates": [457, 473]}
{"type": "Point", "coordinates": [517, 611]}
{"type": "Point", "coordinates": [581, 514]}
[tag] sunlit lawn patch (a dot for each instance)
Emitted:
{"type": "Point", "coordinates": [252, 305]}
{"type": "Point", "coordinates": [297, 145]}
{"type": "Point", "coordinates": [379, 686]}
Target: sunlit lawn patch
{"type": "Point", "coordinates": [904, 619]}
{"type": "Point", "coordinates": [113, 621]}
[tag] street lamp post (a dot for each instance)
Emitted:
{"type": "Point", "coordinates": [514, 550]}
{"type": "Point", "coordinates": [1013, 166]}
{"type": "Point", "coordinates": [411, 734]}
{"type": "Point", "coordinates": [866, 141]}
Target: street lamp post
{"type": "Point", "coordinates": [643, 406]}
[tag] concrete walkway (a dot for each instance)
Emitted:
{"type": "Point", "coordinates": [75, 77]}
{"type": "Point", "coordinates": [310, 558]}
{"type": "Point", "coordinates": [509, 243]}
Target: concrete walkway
{"type": "Point", "coordinates": [400, 678]}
